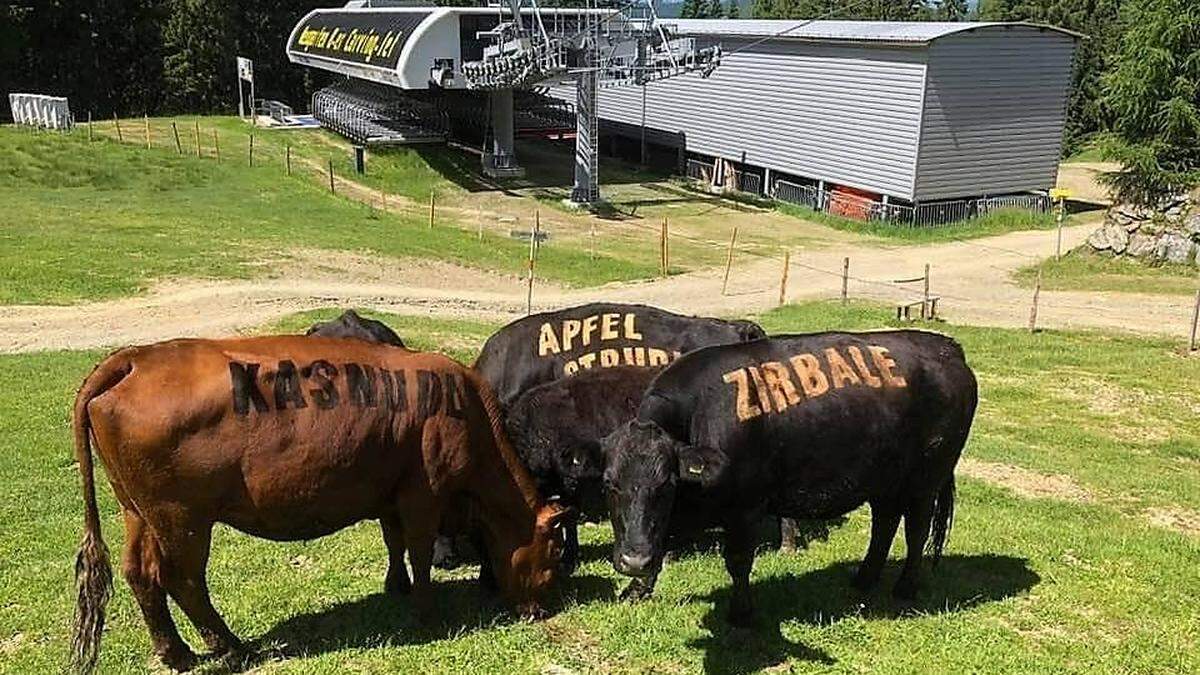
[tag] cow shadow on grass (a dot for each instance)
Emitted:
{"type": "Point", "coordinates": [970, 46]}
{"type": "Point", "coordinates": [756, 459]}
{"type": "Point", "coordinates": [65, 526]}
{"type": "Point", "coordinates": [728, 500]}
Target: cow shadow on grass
{"type": "Point", "coordinates": [461, 607]}
{"type": "Point", "coordinates": [824, 596]}
{"type": "Point", "coordinates": [708, 541]}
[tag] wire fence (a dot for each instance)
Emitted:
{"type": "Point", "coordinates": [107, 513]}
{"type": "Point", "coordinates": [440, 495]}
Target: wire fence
{"type": "Point", "coordinates": [920, 293]}
{"type": "Point", "coordinates": [930, 214]}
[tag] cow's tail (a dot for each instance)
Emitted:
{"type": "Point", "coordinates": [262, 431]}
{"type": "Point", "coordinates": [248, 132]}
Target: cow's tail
{"type": "Point", "coordinates": [93, 573]}
{"type": "Point", "coordinates": [943, 519]}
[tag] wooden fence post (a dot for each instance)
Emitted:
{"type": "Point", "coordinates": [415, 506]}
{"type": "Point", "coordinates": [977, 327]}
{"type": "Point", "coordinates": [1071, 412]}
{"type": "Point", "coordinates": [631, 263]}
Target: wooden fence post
{"type": "Point", "coordinates": [197, 128]}
{"type": "Point", "coordinates": [147, 131]}
{"type": "Point", "coordinates": [117, 123]}
{"type": "Point", "coordinates": [89, 126]}
{"type": "Point", "coordinates": [663, 248]}
{"type": "Point", "coordinates": [1195, 321]}
{"type": "Point", "coordinates": [729, 260]}
{"type": "Point", "coordinates": [1062, 208]}
{"type": "Point", "coordinates": [1037, 290]}
{"type": "Point", "coordinates": [251, 151]}
{"type": "Point", "coordinates": [288, 159]}
{"type": "Point", "coordinates": [925, 298]}
{"type": "Point", "coordinates": [332, 189]}
{"type": "Point", "coordinates": [787, 262]}
{"type": "Point", "coordinates": [479, 217]}
{"type": "Point", "coordinates": [433, 207]}
{"type": "Point", "coordinates": [175, 130]}
{"type": "Point", "coordinates": [216, 145]}
{"type": "Point", "coordinates": [845, 280]}
{"type": "Point", "coordinates": [533, 237]}
{"type": "Point", "coordinates": [592, 240]}
{"type": "Point", "coordinates": [666, 247]}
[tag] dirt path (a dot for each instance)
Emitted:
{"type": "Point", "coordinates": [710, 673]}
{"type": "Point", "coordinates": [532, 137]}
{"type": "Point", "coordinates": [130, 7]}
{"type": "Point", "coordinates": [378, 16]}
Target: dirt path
{"type": "Point", "coordinates": [972, 279]}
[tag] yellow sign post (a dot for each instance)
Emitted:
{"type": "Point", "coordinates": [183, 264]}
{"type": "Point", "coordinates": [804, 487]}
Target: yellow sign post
{"type": "Point", "coordinates": [1060, 195]}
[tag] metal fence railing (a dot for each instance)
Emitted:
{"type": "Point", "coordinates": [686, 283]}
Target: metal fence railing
{"type": "Point", "coordinates": [741, 181]}
{"type": "Point", "coordinates": [930, 214]}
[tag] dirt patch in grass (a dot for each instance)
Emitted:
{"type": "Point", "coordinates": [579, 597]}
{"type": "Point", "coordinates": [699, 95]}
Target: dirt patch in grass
{"type": "Point", "coordinates": [583, 646]}
{"type": "Point", "coordinates": [11, 645]}
{"type": "Point", "coordinates": [326, 265]}
{"type": "Point", "coordinates": [1175, 518]}
{"type": "Point", "coordinates": [1034, 485]}
{"type": "Point", "coordinates": [1026, 483]}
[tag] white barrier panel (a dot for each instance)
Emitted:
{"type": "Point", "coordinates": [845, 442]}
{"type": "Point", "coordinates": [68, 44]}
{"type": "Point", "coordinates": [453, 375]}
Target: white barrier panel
{"type": "Point", "coordinates": [48, 112]}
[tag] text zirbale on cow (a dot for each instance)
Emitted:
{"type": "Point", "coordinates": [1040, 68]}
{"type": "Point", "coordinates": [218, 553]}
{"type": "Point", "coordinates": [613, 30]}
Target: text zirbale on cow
{"type": "Point", "coordinates": [803, 426]}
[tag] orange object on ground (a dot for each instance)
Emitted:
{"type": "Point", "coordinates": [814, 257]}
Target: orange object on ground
{"type": "Point", "coordinates": [851, 202]}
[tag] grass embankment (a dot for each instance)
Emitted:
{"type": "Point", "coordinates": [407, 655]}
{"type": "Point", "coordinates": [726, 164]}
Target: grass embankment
{"type": "Point", "coordinates": [1085, 270]}
{"type": "Point", "coordinates": [88, 220]}
{"type": "Point", "coordinates": [996, 222]}
{"type": "Point", "coordinates": [1077, 580]}
{"type": "Point", "coordinates": [103, 219]}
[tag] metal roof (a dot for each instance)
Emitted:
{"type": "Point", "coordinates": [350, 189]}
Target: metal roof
{"type": "Point", "coordinates": [915, 32]}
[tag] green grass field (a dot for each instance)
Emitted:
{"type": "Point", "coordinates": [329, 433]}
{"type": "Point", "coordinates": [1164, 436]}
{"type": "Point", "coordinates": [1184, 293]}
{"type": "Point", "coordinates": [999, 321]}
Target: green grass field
{"type": "Point", "coordinates": [1074, 581]}
{"type": "Point", "coordinates": [96, 220]}
{"type": "Point", "coordinates": [1085, 270]}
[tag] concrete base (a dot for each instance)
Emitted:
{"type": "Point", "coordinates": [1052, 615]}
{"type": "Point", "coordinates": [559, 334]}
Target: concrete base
{"type": "Point", "coordinates": [510, 172]}
{"type": "Point", "coordinates": [490, 169]}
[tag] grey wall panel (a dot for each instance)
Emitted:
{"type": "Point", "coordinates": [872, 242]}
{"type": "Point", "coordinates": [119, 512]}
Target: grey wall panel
{"type": "Point", "coordinates": [848, 114]}
{"type": "Point", "coordinates": [994, 109]}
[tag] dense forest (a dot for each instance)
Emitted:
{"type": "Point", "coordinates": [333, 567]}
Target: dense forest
{"type": "Point", "coordinates": [164, 56]}
{"type": "Point", "coordinates": [149, 56]}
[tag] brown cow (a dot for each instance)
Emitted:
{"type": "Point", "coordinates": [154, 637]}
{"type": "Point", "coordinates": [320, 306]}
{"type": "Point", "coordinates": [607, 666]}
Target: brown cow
{"type": "Point", "coordinates": [291, 438]}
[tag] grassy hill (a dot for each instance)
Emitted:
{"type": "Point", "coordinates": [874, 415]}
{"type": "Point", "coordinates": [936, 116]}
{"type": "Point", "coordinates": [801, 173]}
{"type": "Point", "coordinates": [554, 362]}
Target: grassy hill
{"type": "Point", "coordinates": [94, 219]}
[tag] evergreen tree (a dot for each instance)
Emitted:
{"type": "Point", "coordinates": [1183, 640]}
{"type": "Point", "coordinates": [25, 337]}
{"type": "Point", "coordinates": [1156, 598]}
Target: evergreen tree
{"type": "Point", "coordinates": [691, 9]}
{"type": "Point", "coordinates": [732, 11]}
{"type": "Point", "coordinates": [1152, 100]}
{"type": "Point", "coordinates": [952, 10]}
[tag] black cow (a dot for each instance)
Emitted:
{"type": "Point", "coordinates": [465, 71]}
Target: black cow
{"type": "Point", "coordinates": [802, 426]}
{"type": "Point", "coordinates": [556, 428]}
{"type": "Point", "coordinates": [351, 325]}
{"type": "Point", "coordinates": [545, 347]}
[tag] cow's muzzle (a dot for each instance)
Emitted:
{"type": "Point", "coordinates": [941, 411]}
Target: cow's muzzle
{"type": "Point", "coordinates": [633, 564]}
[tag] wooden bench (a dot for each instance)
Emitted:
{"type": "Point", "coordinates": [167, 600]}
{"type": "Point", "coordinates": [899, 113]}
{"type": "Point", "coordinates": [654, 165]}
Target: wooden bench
{"type": "Point", "coordinates": [928, 307]}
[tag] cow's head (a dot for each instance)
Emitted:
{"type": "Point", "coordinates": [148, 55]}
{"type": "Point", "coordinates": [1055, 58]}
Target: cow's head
{"type": "Point", "coordinates": [562, 463]}
{"type": "Point", "coordinates": [645, 464]}
{"type": "Point", "coordinates": [534, 567]}
{"type": "Point", "coordinates": [580, 463]}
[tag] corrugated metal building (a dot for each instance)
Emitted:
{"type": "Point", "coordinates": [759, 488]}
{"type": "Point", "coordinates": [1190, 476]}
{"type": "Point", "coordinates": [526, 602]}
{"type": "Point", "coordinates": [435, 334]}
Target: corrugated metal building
{"type": "Point", "coordinates": [912, 111]}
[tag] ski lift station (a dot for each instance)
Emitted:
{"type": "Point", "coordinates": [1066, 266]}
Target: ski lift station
{"type": "Point", "coordinates": [893, 114]}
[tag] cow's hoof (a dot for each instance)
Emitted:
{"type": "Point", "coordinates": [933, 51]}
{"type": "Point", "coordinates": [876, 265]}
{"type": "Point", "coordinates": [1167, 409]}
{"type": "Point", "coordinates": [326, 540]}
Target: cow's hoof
{"type": "Point", "coordinates": [397, 585]}
{"type": "Point", "coordinates": [180, 659]}
{"type": "Point", "coordinates": [636, 591]}
{"type": "Point", "coordinates": [905, 589]}
{"type": "Point", "coordinates": [864, 581]}
{"type": "Point", "coordinates": [236, 658]}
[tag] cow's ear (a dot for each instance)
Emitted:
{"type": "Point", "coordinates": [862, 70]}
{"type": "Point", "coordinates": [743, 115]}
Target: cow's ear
{"type": "Point", "coordinates": [701, 464]}
{"type": "Point", "coordinates": [556, 514]}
